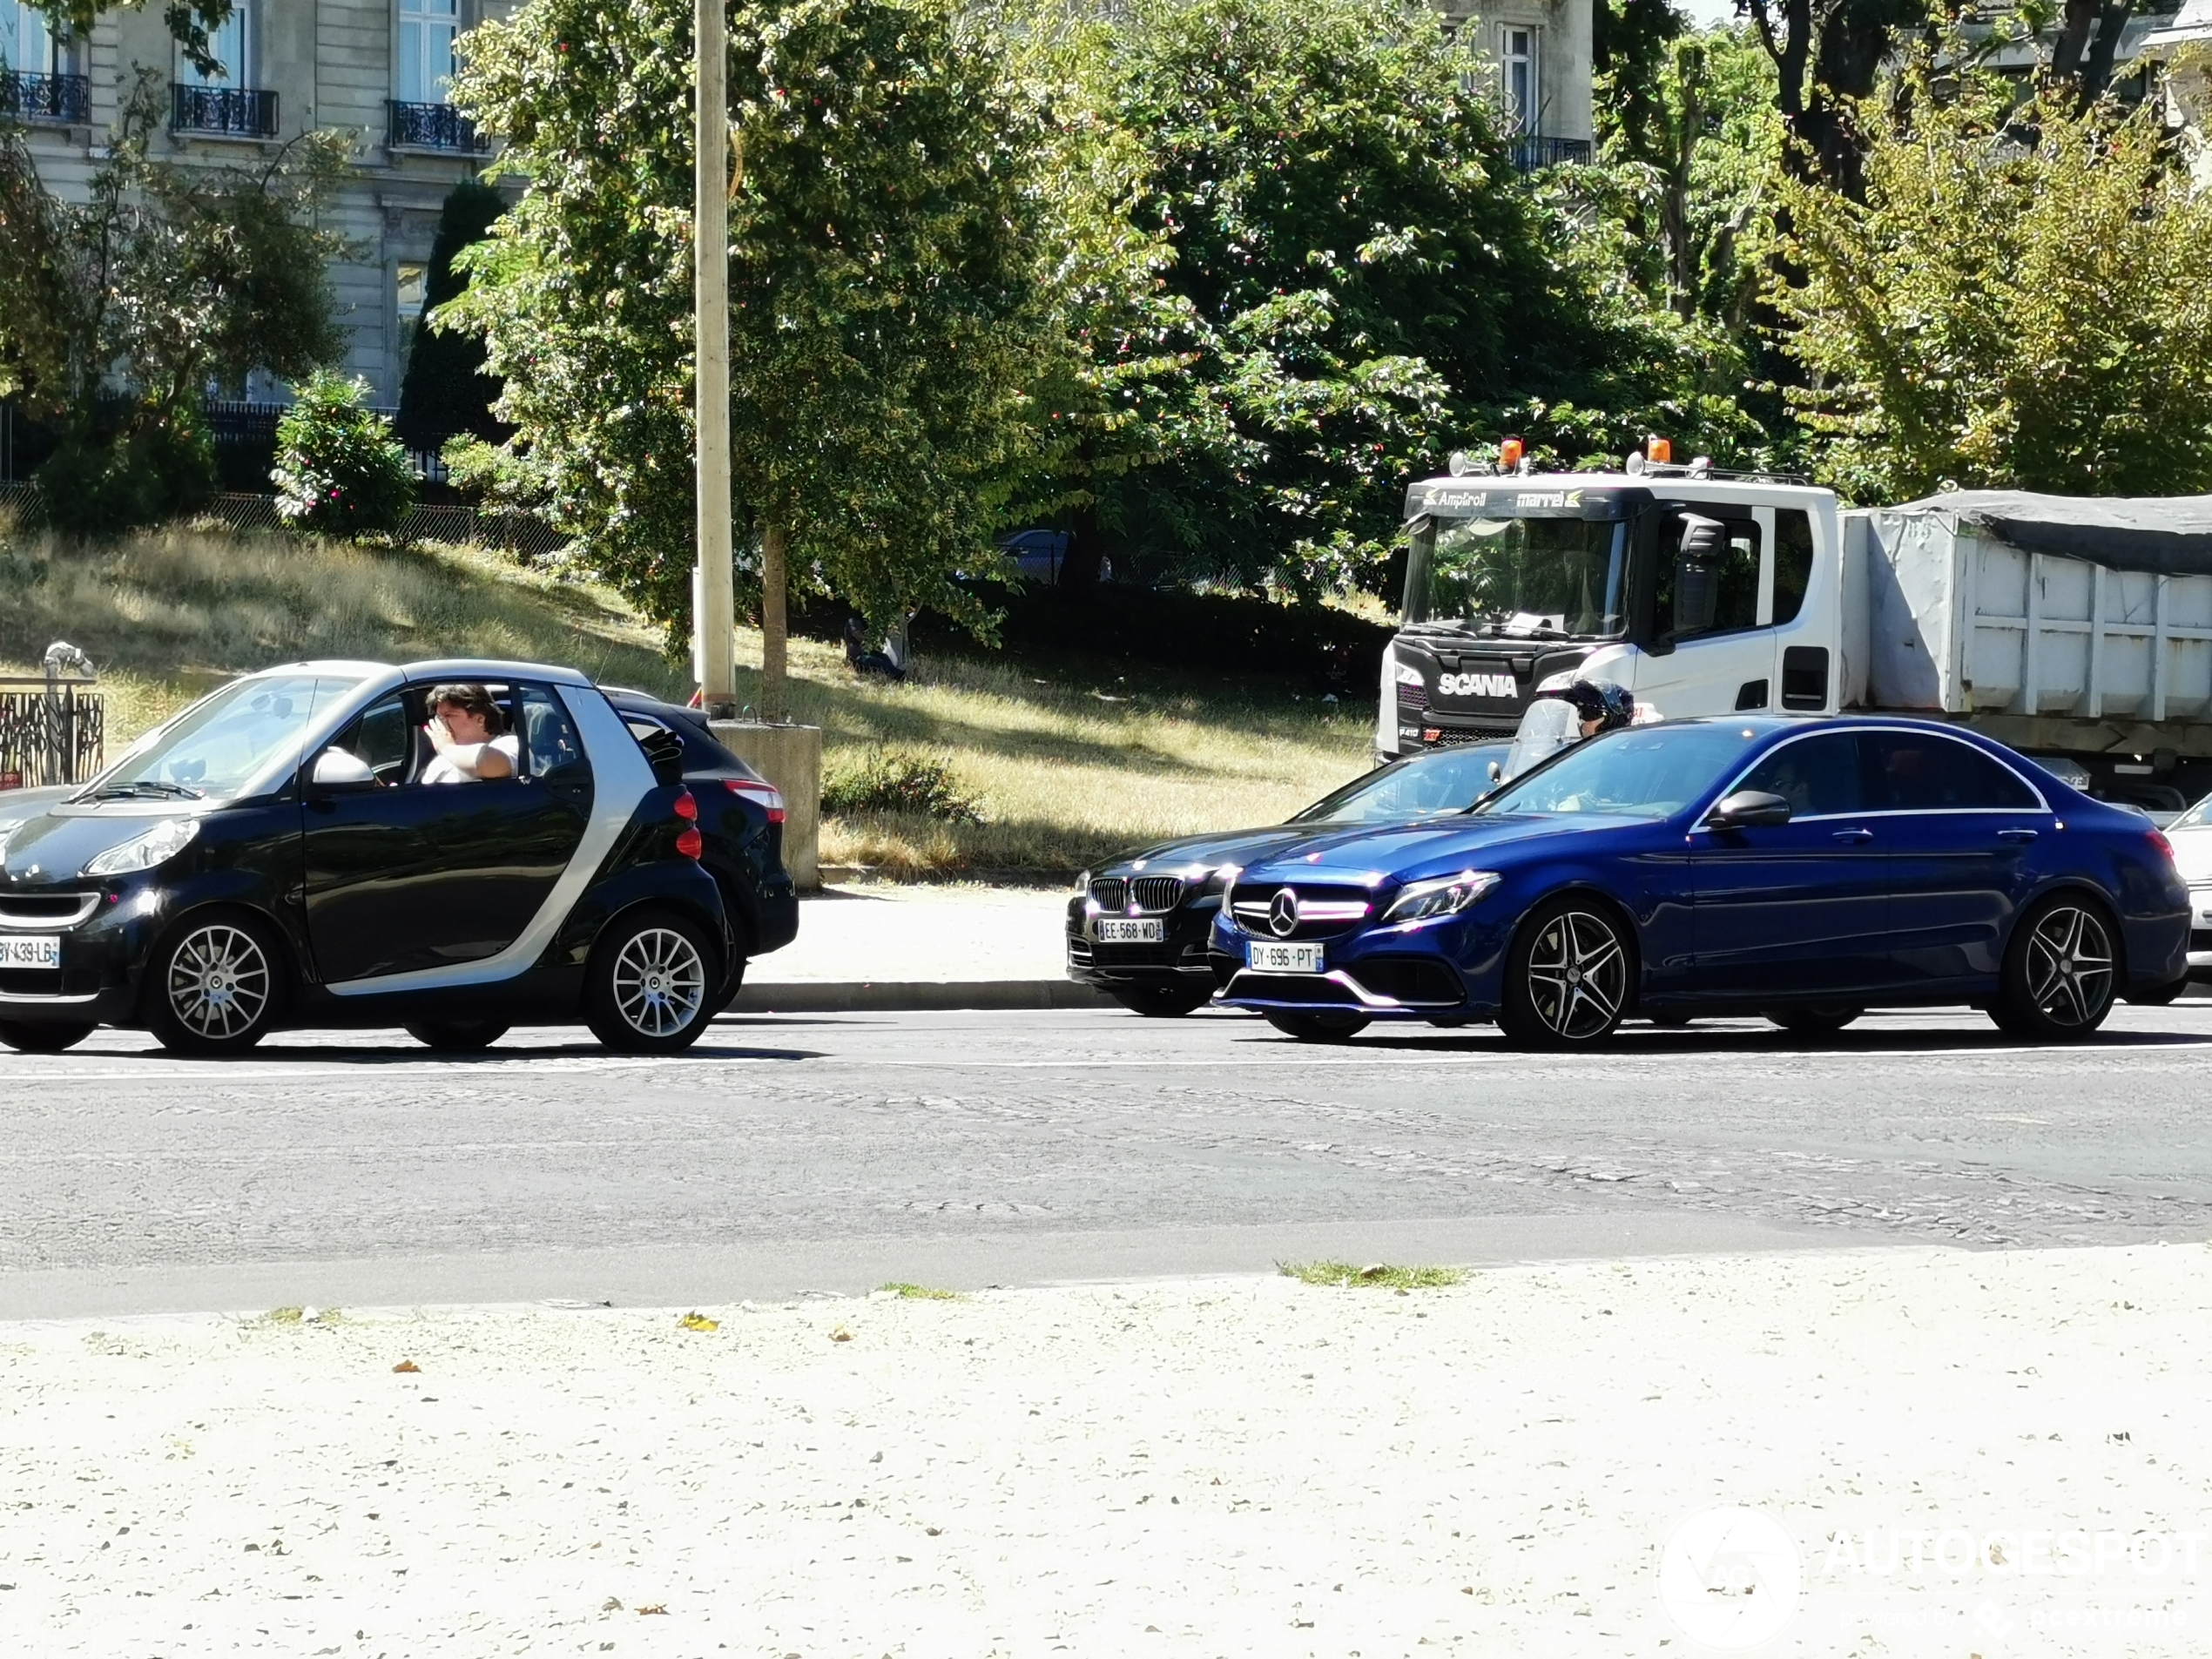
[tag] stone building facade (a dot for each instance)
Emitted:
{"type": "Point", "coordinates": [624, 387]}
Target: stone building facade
{"type": "Point", "coordinates": [377, 68]}
{"type": "Point", "coordinates": [1541, 51]}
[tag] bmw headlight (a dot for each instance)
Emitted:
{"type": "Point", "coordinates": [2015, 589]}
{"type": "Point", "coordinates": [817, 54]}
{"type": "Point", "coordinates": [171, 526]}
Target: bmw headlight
{"type": "Point", "coordinates": [1222, 879]}
{"type": "Point", "coordinates": [1445, 896]}
{"type": "Point", "coordinates": [1082, 882]}
{"type": "Point", "coordinates": [158, 845]}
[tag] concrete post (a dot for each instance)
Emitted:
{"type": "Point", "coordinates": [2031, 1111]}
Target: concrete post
{"type": "Point", "coordinates": [716, 624]}
{"type": "Point", "coordinates": [789, 757]}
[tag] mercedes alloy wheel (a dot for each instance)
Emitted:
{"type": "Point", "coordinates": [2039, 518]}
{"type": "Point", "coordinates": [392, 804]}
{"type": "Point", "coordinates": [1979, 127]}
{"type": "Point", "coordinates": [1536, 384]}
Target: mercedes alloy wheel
{"type": "Point", "coordinates": [2062, 973]}
{"type": "Point", "coordinates": [1568, 977]}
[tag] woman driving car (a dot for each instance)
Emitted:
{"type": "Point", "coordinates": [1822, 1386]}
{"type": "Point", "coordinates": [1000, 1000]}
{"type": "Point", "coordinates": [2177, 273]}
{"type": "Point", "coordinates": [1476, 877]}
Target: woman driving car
{"type": "Point", "coordinates": [469, 732]}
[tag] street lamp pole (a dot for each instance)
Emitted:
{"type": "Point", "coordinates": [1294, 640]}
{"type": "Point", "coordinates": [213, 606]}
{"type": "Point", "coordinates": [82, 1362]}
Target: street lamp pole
{"type": "Point", "coordinates": [715, 623]}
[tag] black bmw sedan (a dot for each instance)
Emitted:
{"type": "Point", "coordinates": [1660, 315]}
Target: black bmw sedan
{"type": "Point", "coordinates": [278, 854]}
{"type": "Point", "coordinates": [1137, 927]}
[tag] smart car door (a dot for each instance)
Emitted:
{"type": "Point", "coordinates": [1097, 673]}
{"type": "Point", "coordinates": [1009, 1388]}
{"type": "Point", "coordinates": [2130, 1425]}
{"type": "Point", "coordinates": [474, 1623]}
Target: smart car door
{"type": "Point", "coordinates": [1963, 832]}
{"type": "Point", "coordinates": [416, 875]}
{"type": "Point", "coordinates": [1801, 908]}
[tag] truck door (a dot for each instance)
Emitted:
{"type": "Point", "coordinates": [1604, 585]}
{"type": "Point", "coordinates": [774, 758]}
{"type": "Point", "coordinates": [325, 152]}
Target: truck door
{"type": "Point", "coordinates": [1706, 613]}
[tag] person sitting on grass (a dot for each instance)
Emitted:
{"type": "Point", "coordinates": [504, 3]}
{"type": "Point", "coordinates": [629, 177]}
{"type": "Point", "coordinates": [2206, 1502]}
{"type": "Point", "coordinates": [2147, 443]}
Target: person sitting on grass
{"type": "Point", "coordinates": [468, 731]}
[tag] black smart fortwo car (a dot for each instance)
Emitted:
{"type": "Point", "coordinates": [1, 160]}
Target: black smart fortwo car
{"type": "Point", "coordinates": [273, 857]}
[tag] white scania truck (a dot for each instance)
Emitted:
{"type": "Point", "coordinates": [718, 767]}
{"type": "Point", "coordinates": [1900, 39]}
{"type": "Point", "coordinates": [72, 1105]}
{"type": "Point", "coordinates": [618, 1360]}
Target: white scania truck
{"type": "Point", "coordinates": [2078, 631]}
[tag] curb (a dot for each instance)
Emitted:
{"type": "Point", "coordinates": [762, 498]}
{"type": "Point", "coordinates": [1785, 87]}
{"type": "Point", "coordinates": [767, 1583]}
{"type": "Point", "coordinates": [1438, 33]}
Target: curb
{"type": "Point", "coordinates": [913, 996]}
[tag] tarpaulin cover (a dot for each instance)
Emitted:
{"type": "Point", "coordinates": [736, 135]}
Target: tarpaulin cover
{"type": "Point", "coordinates": [2168, 535]}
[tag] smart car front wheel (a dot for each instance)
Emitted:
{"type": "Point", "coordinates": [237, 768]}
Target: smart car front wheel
{"type": "Point", "coordinates": [214, 985]}
{"type": "Point", "coordinates": [648, 987]}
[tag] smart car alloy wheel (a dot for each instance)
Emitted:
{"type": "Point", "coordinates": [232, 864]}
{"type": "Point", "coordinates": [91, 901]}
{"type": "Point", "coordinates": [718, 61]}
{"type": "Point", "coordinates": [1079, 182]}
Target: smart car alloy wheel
{"type": "Point", "coordinates": [2059, 975]}
{"type": "Point", "coordinates": [1568, 983]}
{"type": "Point", "coordinates": [648, 990]}
{"type": "Point", "coordinates": [214, 986]}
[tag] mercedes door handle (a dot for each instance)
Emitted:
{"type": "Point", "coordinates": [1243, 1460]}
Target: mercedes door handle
{"type": "Point", "coordinates": [1855, 835]}
{"type": "Point", "coordinates": [2021, 835]}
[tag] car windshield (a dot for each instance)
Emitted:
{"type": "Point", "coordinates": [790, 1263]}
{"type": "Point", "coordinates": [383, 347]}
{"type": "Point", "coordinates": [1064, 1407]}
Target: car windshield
{"type": "Point", "coordinates": [1524, 578]}
{"type": "Point", "coordinates": [216, 747]}
{"type": "Point", "coordinates": [1450, 782]}
{"type": "Point", "coordinates": [1644, 772]}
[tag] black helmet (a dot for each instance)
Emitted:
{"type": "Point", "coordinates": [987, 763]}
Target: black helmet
{"type": "Point", "coordinates": [1610, 705]}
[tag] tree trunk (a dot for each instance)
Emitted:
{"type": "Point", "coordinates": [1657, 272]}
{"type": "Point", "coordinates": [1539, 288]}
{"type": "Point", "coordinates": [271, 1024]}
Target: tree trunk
{"type": "Point", "coordinates": [775, 631]}
{"type": "Point", "coordinates": [1080, 564]}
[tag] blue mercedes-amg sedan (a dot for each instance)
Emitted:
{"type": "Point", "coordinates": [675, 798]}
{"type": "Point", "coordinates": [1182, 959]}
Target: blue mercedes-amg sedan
{"type": "Point", "coordinates": [1804, 870]}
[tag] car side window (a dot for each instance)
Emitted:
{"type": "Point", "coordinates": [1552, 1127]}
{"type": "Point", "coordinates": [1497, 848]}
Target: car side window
{"type": "Point", "coordinates": [1716, 594]}
{"type": "Point", "coordinates": [550, 747]}
{"type": "Point", "coordinates": [1923, 771]}
{"type": "Point", "coordinates": [1820, 776]}
{"type": "Point", "coordinates": [379, 737]}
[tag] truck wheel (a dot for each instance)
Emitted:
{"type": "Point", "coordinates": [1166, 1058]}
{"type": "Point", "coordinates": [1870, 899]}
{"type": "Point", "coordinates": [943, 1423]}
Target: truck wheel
{"type": "Point", "coordinates": [214, 986]}
{"type": "Point", "coordinates": [1567, 976]}
{"type": "Point", "coordinates": [1317, 1028]}
{"type": "Point", "coordinates": [26, 1038]}
{"type": "Point", "coordinates": [456, 1036]}
{"type": "Point", "coordinates": [1160, 1001]}
{"type": "Point", "coordinates": [2061, 972]}
{"type": "Point", "coordinates": [646, 989]}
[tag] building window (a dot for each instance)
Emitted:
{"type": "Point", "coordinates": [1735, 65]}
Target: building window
{"type": "Point", "coordinates": [229, 44]}
{"type": "Point", "coordinates": [39, 76]}
{"type": "Point", "coordinates": [1517, 70]}
{"type": "Point", "coordinates": [223, 101]}
{"type": "Point", "coordinates": [410, 288]}
{"type": "Point", "coordinates": [425, 68]}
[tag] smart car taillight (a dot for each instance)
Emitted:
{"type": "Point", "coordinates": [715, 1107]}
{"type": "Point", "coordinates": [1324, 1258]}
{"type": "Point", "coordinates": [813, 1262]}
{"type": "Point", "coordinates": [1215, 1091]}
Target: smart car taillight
{"type": "Point", "coordinates": [770, 797]}
{"type": "Point", "coordinates": [687, 808]}
{"type": "Point", "coordinates": [688, 841]}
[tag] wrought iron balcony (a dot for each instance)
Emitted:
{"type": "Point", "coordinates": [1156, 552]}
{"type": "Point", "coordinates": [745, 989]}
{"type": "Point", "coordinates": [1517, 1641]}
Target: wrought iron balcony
{"type": "Point", "coordinates": [231, 112]}
{"type": "Point", "coordinates": [433, 126]}
{"type": "Point", "coordinates": [27, 97]}
{"type": "Point", "coordinates": [1531, 153]}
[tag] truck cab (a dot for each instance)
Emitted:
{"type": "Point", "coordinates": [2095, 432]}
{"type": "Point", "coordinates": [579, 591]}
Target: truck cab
{"type": "Point", "coordinates": [1702, 594]}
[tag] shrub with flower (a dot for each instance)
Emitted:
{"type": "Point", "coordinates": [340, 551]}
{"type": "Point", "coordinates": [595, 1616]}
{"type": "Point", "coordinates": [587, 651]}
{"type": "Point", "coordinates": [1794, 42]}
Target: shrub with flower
{"type": "Point", "coordinates": [339, 468]}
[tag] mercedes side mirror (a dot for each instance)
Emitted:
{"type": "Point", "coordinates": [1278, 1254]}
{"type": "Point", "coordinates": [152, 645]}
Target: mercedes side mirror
{"type": "Point", "coordinates": [340, 770]}
{"type": "Point", "coordinates": [1748, 808]}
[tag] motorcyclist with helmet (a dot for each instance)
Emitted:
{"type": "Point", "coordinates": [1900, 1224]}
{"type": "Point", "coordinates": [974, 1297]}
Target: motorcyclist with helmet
{"type": "Point", "coordinates": [1565, 710]}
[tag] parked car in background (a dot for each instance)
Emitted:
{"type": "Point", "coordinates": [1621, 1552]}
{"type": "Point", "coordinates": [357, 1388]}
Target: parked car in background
{"type": "Point", "coordinates": [2191, 835]}
{"type": "Point", "coordinates": [1806, 870]}
{"type": "Point", "coordinates": [275, 855]}
{"type": "Point", "coordinates": [741, 824]}
{"type": "Point", "coordinates": [1137, 927]}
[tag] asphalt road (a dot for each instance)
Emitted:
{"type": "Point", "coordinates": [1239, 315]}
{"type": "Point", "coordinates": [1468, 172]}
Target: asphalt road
{"type": "Point", "coordinates": [832, 1152]}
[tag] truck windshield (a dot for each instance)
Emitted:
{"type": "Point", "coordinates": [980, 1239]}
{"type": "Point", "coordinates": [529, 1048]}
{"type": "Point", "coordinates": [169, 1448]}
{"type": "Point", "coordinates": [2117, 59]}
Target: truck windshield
{"type": "Point", "coordinates": [1528, 578]}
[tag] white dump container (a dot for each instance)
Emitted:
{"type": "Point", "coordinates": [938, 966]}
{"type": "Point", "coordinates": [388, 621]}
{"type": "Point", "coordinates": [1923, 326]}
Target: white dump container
{"type": "Point", "coordinates": [1967, 614]}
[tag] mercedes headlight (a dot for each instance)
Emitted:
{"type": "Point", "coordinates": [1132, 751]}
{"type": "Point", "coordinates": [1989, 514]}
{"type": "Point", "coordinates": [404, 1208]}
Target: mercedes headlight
{"type": "Point", "coordinates": [158, 845]}
{"type": "Point", "coordinates": [1445, 896]}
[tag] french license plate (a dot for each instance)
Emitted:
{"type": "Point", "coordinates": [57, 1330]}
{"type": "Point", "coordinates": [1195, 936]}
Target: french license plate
{"type": "Point", "coordinates": [1118, 930]}
{"type": "Point", "coordinates": [1267, 956]}
{"type": "Point", "coordinates": [31, 950]}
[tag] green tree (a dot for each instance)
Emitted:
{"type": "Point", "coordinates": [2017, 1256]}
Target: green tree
{"type": "Point", "coordinates": [890, 293]}
{"type": "Point", "coordinates": [445, 391]}
{"type": "Point", "coordinates": [340, 470]}
{"type": "Point", "coordinates": [2019, 300]}
{"type": "Point", "coordinates": [122, 311]}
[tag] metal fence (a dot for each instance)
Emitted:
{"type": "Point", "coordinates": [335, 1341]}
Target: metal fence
{"type": "Point", "coordinates": [524, 534]}
{"type": "Point", "coordinates": [49, 732]}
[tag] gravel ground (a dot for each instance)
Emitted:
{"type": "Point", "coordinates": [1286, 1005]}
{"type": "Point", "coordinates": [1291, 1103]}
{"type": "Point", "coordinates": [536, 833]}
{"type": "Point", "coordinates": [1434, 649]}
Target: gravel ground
{"type": "Point", "coordinates": [1193, 1466]}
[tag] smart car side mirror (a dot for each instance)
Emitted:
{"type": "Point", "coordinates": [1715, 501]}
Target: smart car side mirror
{"type": "Point", "coordinates": [1497, 772]}
{"type": "Point", "coordinates": [1747, 808]}
{"type": "Point", "coordinates": [340, 770]}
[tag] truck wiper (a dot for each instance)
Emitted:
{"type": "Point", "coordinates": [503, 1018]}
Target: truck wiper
{"type": "Point", "coordinates": [158, 787]}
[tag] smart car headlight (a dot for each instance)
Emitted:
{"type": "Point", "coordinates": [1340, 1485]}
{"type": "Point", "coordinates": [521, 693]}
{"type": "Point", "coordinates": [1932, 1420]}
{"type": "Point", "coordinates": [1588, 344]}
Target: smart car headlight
{"type": "Point", "coordinates": [1445, 896]}
{"type": "Point", "coordinates": [158, 845]}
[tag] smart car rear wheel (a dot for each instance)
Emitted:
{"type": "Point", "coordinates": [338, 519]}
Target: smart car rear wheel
{"type": "Point", "coordinates": [1324, 1027]}
{"type": "Point", "coordinates": [456, 1036]}
{"type": "Point", "coordinates": [1567, 977]}
{"type": "Point", "coordinates": [26, 1038]}
{"type": "Point", "coordinates": [648, 991]}
{"type": "Point", "coordinates": [214, 986]}
{"type": "Point", "coordinates": [2061, 972]}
